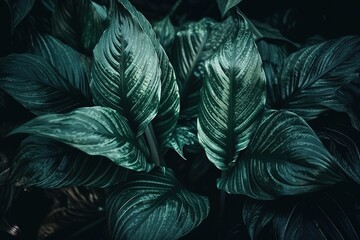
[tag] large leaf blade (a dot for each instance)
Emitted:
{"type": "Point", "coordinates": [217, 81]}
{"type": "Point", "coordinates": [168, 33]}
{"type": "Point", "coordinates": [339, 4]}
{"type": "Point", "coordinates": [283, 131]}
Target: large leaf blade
{"type": "Point", "coordinates": [285, 157]}
{"type": "Point", "coordinates": [96, 131]}
{"type": "Point", "coordinates": [38, 86]}
{"type": "Point", "coordinates": [45, 163]}
{"type": "Point", "coordinates": [154, 206]}
{"type": "Point", "coordinates": [126, 72]}
{"type": "Point", "coordinates": [233, 97]}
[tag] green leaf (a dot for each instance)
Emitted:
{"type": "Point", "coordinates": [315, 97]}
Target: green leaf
{"type": "Point", "coordinates": [126, 71]}
{"type": "Point", "coordinates": [226, 5]}
{"type": "Point", "coordinates": [46, 163]}
{"type": "Point", "coordinates": [165, 32]}
{"type": "Point", "coordinates": [79, 23]}
{"type": "Point", "coordinates": [181, 136]}
{"type": "Point", "coordinates": [154, 206]}
{"type": "Point", "coordinates": [311, 76]}
{"type": "Point", "coordinates": [72, 65]}
{"type": "Point", "coordinates": [233, 97]}
{"type": "Point", "coordinates": [20, 9]}
{"type": "Point", "coordinates": [284, 157]}
{"type": "Point", "coordinates": [37, 85]}
{"type": "Point", "coordinates": [169, 107]}
{"type": "Point", "coordinates": [343, 143]}
{"type": "Point", "coordinates": [331, 214]}
{"type": "Point", "coordinates": [97, 131]}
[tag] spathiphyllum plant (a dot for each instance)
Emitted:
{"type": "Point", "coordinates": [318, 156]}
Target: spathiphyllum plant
{"type": "Point", "coordinates": [161, 120]}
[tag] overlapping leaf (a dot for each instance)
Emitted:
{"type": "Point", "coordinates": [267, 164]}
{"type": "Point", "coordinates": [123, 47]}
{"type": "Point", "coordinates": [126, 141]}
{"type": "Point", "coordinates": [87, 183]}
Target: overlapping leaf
{"type": "Point", "coordinates": [169, 107]}
{"type": "Point", "coordinates": [126, 71]}
{"type": "Point", "coordinates": [154, 206]}
{"type": "Point", "coordinates": [284, 157]}
{"type": "Point", "coordinates": [165, 32]}
{"type": "Point", "coordinates": [324, 215]}
{"type": "Point", "coordinates": [73, 66]}
{"type": "Point", "coordinates": [45, 163]}
{"type": "Point", "coordinates": [233, 97]}
{"type": "Point", "coordinates": [96, 131]}
{"type": "Point", "coordinates": [79, 23]}
{"type": "Point", "coordinates": [311, 76]}
{"type": "Point", "coordinates": [37, 85]}
{"type": "Point", "coordinates": [226, 5]}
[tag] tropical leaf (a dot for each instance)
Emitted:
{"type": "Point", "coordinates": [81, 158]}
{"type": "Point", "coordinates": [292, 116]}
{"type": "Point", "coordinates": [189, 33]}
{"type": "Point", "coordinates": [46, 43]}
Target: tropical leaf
{"type": "Point", "coordinates": [284, 157]}
{"type": "Point", "coordinates": [182, 135]}
{"type": "Point", "coordinates": [72, 65]}
{"type": "Point", "coordinates": [97, 131]}
{"type": "Point", "coordinates": [126, 71]}
{"type": "Point", "coordinates": [233, 97]}
{"type": "Point", "coordinates": [165, 32]}
{"type": "Point", "coordinates": [169, 107]}
{"type": "Point", "coordinates": [45, 163]}
{"type": "Point", "coordinates": [311, 77]}
{"type": "Point", "coordinates": [154, 206]}
{"type": "Point", "coordinates": [343, 143]}
{"type": "Point", "coordinates": [226, 5]}
{"type": "Point", "coordinates": [20, 9]}
{"type": "Point", "coordinates": [323, 215]}
{"type": "Point", "coordinates": [72, 210]}
{"type": "Point", "coordinates": [79, 23]}
{"type": "Point", "coordinates": [37, 85]}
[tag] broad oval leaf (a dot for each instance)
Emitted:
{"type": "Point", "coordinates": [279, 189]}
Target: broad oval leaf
{"type": "Point", "coordinates": [79, 23]}
{"type": "Point", "coordinates": [45, 163]}
{"type": "Point", "coordinates": [37, 85]}
{"type": "Point", "coordinates": [73, 66]}
{"type": "Point", "coordinates": [154, 206]}
{"type": "Point", "coordinates": [311, 76]}
{"type": "Point", "coordinates": [331, 214]}
{"type": "Point", "coordinates": [226, 5]}
{"type": "Point", "coordinates": [126, 71]}
{"type": "Point", "coordinates": [97, 131]}
{"type": "Point", "coordinates": [169, 107]}
{"type": "Point", "coordinates": [284, 157]}
{"type": "Point", "coordinates": [233, 97]}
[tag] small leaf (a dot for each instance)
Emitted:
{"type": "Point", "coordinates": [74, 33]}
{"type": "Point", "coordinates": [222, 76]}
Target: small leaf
{"type": "Point", "coordinates": [37, 85]}
{"type": "Point", "coordinates": [45, 163]}
{"type": "Point", "coordinates": [20, 9]}
{"type": "Point", "coordinates": [72, 65]}
{"type": "Point", "coordinates": [154, 206]}
{"type": "Point", "coordinates": [331, 214]}
{"type": "Point", "coordinates": [284, 157]}
{"type": "Point", "coordinates": [181, 136]}
{"type": "Point", "coordinates": [126, 71]}
{"type": "Point", "coordinates": [311, 76]}
{"type": "Point", "coordinates": [226, 5]}
{"type": "Point", "coordinates": [96, 131]}
{"type": "Point", "coordinates": [233, 97]}
{"type": "Point", "coordinates": [165, 32]}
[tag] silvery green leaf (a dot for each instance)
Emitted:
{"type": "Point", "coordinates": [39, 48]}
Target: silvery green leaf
{"type": "Point", "coordinates": [45, 163]}
{"type": "Point", "coordinates": [233, 97]}
{"type": "Point", "coordinates": [182, 136]}
{"type": "Point", "coordinates": [284, 157]}
{"type": "Point", "coordinates": [126, 71]}
{"type": "Point", "coordinates": [154, 206]}
{"type": "Point", "coordinates": [311, 77]}
{"type": "Point", "coordinates": [97, 131]}
{"type": "Point", "coordinates": [226, 5]}
{"type": "Point", "coordinates": [38, 86]}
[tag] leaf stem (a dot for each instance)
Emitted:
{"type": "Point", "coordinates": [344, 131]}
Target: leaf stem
{"type": "Point", "coordinates": [152, 142]}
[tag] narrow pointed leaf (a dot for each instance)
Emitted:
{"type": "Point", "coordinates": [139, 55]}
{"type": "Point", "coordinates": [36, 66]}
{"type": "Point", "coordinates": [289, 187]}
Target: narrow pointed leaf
{"type": "Point", "coordinates": [96, 131]}
{"type": "Point", "coordinates": [284, 157]}
{"type": "Point", "coordinates": [126, 71]}
{"type": "Point", "coordinates": [20, 9]}
{"type": "Point", "coordinates": [331, 214]}
{"type": "Point", "coordinates": [226, 5]}
{"type": "Point", "coordinates": [45, 163]}
{"type": "Point", "coordinates": [37, 85]}
{"type": "Point", "coordinates": [154, 206]}
{"type": "Point", "coordinates": [311, 76]}
{"type": "Point", "coordinates": [169, 107]}
{"type": "Point", "coordinates": [233, 97]}
{"type": "Point", "coordinates": [72, 65]}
